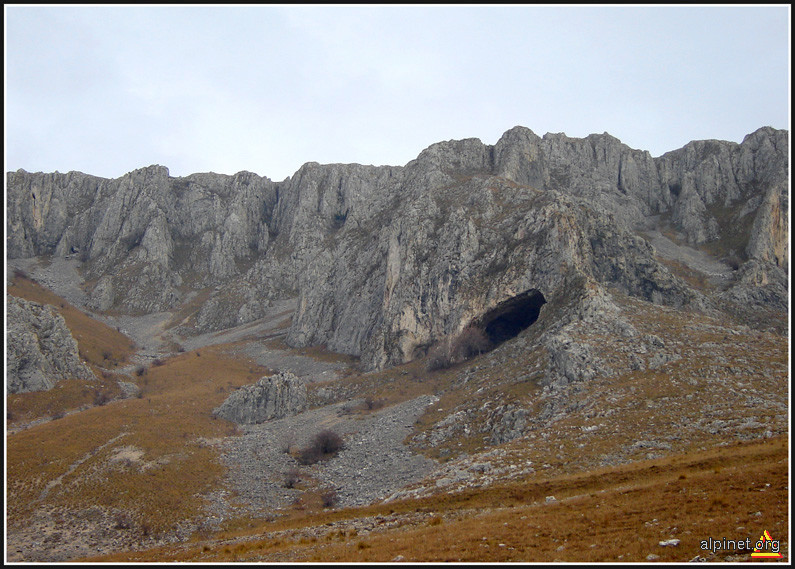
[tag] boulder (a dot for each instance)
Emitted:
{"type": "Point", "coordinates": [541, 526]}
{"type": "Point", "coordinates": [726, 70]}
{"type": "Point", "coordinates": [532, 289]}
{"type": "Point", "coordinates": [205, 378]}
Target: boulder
{"type": "Point", "coordinates": [271, 397]}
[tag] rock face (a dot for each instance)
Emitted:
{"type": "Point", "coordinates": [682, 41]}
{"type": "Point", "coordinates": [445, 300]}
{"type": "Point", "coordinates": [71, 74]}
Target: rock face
{"type": "Point", "coordinates": [386, 261]}
{"type": "Point", "coordinates": [144, 234]}
{"type": "Point", "coordinates": [271, 397]}
{"type": "Point", "coordinates": [40, 349]}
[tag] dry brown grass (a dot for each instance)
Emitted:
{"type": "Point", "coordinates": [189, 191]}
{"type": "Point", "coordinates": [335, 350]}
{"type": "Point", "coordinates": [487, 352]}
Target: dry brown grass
{"type": "Point", "coordinates": [99, 344]}
{"type": "Point", "coordinates": [603, 514]}
{"type": "Point", "coordinates": [611, 514]}
{"type": "Point", "coordinates": [185, 315]}
{"type": "Point", "coordinates": [69, 462]}
{"type": "Point", "coordinates": [692, 277]}
{"type": "Point", "coordinates": [67, 395]}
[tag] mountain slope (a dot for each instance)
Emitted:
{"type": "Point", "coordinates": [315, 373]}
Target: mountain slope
{"type": "Point", "coordinates": [461, 212]}
{"type": "Point", "coordinates": [539, 311]}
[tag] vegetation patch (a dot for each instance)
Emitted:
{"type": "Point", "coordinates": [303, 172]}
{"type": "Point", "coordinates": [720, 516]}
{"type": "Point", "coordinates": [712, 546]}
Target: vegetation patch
{"type": "Point", "coordinates": [69, 462]}
{"type": "Point", "coordinates": [472, 341]}
{"type": "Point", "coordinates": [99, 345]}
{"type": "Point", "coordinates": [325, 445]}
{"type": "Point", "coordinates": [67, 395]}
{"type": "Point", "coordinates": [606, 515]}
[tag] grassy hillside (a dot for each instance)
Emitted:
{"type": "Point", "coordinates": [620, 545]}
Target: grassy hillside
{"type": "Point", "coordinates": [100, 345]}
{"type": "Point", "coordinates": [611, 514]}
{"type": "Point", "coordinates": [137, 472]}
{"type": "Point", "coordinates": [103, 348]}
{"type": "Point", "coordinates": [145, 457]}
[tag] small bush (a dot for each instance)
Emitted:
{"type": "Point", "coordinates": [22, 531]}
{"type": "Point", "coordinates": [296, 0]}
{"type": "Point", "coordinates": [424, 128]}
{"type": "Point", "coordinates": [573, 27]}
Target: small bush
{"type": "Point", "coordinates": [291, 478]}
{"type": "Point", "coordinates": [329, 499]}
{"type": "Point", "coordinates": [471, 342]}
{"type": "Point", "coordinates": [325, 445]}
{"type": "Point", "coordinates": [157, 362]}
{"type": "Point", "coordinates": [140, 370]}
{"type": "Point", "coordinates": [101, 398]}
{"type": "Point", "coordinates": [372, 404]}
{"type": "Point", "coordinates": [328, 442]}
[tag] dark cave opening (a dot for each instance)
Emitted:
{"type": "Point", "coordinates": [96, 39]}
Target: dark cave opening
{"type": "Point", "coordinates": [510, 317]}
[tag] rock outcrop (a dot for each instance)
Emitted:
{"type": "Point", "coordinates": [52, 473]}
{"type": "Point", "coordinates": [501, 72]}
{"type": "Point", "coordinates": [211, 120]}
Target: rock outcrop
{"type": "Point", "coordinates": [40, 349]}
{"type": "Point", "coordinates": [385, 261]}
{"type": "Point", "coordinates": [271, 397]}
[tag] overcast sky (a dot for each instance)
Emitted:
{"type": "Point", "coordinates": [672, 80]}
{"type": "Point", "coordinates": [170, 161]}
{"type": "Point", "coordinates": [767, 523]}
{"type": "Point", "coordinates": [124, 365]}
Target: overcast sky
{"type": "Point", "coordinates": [107, 90]}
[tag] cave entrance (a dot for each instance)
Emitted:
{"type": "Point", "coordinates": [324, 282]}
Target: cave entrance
{"type": "Point", "coordinates": [510, 317]}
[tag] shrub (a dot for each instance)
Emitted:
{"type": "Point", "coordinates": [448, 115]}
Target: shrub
{"type": "Point", "coordinates": [372, 404]}
{"type": "Point", "coordinates": [140, 370]}
{"type": "Point", "coordinates": [472, 341]}
{"type": "Point", "coordinates": [157, 362]}
{"type": "Point", "coordinates": [325, 445]}
{"type": "Point", "coordinates": [329, 499]}
{"type": "Point", "coordinates": [100, 398]}
{"type": "Point", "coordinates": [328, 442]}
{"type": "Point", "coordinates": [291, 478]}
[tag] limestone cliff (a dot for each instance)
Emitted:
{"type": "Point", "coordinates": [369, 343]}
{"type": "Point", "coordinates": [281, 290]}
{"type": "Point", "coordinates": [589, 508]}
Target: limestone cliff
{"type": "Point", "coordinates": [145, 234]}
{"type": "Point", "coordinates": [385, 261]}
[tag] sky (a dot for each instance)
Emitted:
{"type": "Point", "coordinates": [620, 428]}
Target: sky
{"type": "Point", "coordinates": [105, 90]}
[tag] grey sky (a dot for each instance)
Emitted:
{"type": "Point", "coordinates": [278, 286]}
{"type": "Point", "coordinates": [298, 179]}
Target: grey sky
{"type": "Point", "coordinates": [106, 90]}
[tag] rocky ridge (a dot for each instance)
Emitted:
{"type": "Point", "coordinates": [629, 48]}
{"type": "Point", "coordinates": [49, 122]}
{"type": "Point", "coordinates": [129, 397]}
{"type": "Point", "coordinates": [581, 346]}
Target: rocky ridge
{"type": "Point", "coordinates": [427, 248]}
